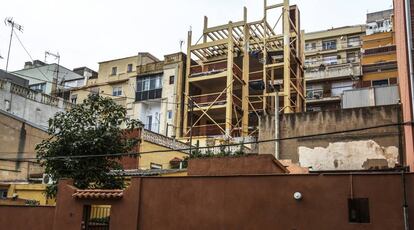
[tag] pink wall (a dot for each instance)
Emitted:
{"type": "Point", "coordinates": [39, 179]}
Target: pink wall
{"type": "Point", "coordinates": [404, 81]}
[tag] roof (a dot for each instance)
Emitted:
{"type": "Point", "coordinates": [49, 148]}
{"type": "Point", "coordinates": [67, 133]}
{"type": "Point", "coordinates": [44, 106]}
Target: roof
{"type": "Point", "coordinates": [98, 194]}
{"type": "Point", "coordinates": [134, 56]}
{"type": "Point", "coordinates": [335, 32]}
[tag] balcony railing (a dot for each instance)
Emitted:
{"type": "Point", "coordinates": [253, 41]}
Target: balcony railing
{"type": "Point", "coordinates": [337, 71]}
{"type": "Point", "coordinates": [34, 95]}
{"type": "Point", "coordinates": [150, 68]}
{"type": "Point", "coordinates": [207, 99]}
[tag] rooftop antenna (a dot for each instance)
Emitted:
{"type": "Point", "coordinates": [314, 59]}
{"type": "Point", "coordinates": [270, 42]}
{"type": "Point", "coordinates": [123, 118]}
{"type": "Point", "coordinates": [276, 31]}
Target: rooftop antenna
{"type": "Point", "coordinates": [13, 25]}
{"type": "Point", "coordinates": [56, 56]}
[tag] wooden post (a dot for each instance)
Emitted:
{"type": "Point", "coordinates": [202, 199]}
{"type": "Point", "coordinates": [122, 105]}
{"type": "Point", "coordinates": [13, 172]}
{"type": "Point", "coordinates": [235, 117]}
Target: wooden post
{"type": "Point", "coordinates": [265, 57]}
{"type": "Point", "coordinates": [286, 58]}
{"type": "Point", "coordinates": [246, 71]}
{"type": "Point", "coordinates": [229, 93]}
{"type": "Point", "coordinates": [187, 83]}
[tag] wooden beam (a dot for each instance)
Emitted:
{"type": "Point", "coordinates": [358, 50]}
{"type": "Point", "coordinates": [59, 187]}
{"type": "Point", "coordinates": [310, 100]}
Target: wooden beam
{"type": "Point", "coordinates": [209, 44]}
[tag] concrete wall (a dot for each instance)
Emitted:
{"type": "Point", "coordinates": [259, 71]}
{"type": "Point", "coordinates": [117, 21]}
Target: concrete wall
{"type": "Point", "coordinates": [344, 151]}
{"type": "Point", "coordinates": [153, 142]}
{"type": "Point", "coordinates": [17, 140]}
{"type": "Point", "coordinates": [34, 107]}
{"type": "Point", "coordinates": [247, 165]}
{"type": "Point", "coordinates": [233, 202]}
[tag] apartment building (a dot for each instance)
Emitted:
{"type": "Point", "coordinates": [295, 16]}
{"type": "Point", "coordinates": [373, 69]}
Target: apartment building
{"type": "Point", "coordinates": [158, 96]}
{"type": "Point", "coordinates": [47, 78]}
{"type": "Point", "coordinates": [150, 89]}
{"type": "Point", "coordinates": [115, 79]}
{"type": "Point", "coordinates": [379, 58]}
{"type": "Point", "coordinates": [332, 65]}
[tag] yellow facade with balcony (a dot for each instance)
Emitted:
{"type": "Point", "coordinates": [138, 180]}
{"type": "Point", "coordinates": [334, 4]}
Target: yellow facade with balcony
{"type": "Point", "coordinates": [379, 59]}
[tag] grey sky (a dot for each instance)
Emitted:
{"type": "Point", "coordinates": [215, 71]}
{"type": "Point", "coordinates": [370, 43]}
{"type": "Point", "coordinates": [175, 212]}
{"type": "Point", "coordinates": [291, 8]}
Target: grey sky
{"type": "Point", "coordinates": [85, 32]}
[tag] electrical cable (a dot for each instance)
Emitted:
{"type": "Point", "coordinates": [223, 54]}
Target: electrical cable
{"type": "Point", "coordinates": [225, 145]}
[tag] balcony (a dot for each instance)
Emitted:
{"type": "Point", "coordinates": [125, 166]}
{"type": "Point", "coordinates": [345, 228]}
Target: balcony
{"type": "Point", "coordinates": [333, 48]}
{"type": "Point", "coordinates": [148, 95]}
{"type": "Point", "coordinates": [150, 68]}
{"type": "Point", "coordinates": [321, 96]}
{"type": "Point", "coordinates": [213, 70]}
{"type": "Point", "coordinates": [334, 71]}
{"type": "Point", "coordinates": [208, 99]}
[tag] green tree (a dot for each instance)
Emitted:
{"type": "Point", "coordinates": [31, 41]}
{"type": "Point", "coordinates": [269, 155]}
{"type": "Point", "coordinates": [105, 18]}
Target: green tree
{"type": "Point", "coordinates": [91, 128]}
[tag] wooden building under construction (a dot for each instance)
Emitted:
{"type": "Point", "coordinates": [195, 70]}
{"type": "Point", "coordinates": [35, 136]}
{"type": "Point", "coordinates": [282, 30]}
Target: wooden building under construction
{"type": "Point", "coordinates": [235, 72]}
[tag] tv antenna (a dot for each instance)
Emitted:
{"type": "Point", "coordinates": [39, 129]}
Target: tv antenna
{"type": "Point", "coordinates": [13, 25]}
{"type": "Point", "coordinates": [56, 56]}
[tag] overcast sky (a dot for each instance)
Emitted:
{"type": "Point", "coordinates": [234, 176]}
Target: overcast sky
{"type": "Point", "coordinates": [85, 32]}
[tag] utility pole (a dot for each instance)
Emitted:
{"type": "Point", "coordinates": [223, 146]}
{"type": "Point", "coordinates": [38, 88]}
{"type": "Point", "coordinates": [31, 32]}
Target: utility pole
{"type": "Point", "coordinates": [13, 25]}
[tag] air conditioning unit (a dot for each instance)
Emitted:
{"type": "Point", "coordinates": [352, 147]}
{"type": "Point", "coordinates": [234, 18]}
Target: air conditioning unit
{"type": "Point", "coordinates": [47, 179]}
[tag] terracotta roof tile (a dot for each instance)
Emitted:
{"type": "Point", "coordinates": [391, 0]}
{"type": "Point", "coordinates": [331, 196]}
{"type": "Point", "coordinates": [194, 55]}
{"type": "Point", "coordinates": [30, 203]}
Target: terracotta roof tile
{"type": "Point", "coordinates": [98, 194]}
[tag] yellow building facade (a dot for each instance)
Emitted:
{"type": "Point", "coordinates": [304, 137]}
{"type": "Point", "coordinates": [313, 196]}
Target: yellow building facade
{"type": "Point", "coordinates": [116, 79]}
{"type": "Point", "coordinates": [379, 57]}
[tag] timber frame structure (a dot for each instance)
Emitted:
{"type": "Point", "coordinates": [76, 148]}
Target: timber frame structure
{"type": "Point", "coordinates": [239, 70]}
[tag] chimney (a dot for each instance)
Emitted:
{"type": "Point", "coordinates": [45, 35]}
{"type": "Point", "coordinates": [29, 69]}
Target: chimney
{"type": "Point", "coordinates": [38, 63]}
{"type": "Point", "coordinates": [28, 65]}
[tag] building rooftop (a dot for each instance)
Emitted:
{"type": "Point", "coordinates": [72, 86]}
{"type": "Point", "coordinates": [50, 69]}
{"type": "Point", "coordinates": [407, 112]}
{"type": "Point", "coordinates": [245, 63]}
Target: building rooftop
{"type": "Point", "coordinates": [334, 32]}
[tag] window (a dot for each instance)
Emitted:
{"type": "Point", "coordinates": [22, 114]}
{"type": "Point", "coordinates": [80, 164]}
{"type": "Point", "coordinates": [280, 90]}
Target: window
{"type": "Point", "coordinates": [330, 60]}
{"type": "Point", "coordinates": [129, 68]}
{"type": "Point", "coordinates": [354, 41]}
{"type": "Point", "coordinates": [169, 114]}
{"type": "Point", "coordinates": [149, 88]}
{"type": "Point", "coordinates": [149, 123]}
{"type": "Point", "coordinates": [329, 45]}
{"type": "Point", "coordinates": [155, 166]}
{"type": "Point", "coordinates": [172, 79]}
{"type": "Point", "coordinates": [73, 98]}
{"type": "Point", "coordinates": [41, 87]}
{"type": "Point", "coordinates": [117, 91]}
{"type": "Point", "coordinates": [352, 57]}
{"type": "Point", "coordinates": [310, 46]}
{"type": "Point", "coordinates": [380, 82]}
{"type": "Point", "coordinates": [3, 193]}
{"type": "Point", "coordinates": [358, 210]}
{"type": "Point", "coordinates": [114, 70]}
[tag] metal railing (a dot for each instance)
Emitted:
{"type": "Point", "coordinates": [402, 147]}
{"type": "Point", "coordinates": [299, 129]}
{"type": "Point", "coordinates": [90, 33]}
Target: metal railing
{"type": "Point", "coordinates": [334, 72]}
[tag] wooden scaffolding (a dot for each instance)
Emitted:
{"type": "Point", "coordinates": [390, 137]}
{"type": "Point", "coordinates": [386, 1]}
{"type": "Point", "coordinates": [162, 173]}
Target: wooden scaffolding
{"type": "Point", "coordinates": [235, 72]}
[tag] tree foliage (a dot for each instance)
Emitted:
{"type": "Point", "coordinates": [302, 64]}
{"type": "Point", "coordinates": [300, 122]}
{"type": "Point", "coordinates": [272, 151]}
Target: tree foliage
{"type": "Point", "coordinates": [91, 128]}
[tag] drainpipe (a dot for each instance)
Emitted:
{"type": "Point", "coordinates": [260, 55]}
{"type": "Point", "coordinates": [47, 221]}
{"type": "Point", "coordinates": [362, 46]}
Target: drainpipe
{"type": "Point", "coordinates": [410, 50]}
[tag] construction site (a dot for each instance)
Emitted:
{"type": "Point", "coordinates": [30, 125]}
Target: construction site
{"type": "Point", "coordinates": [241, 70]}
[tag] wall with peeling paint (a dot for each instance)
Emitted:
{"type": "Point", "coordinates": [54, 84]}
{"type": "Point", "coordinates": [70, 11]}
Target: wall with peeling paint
{"type": "Point", "coordinates": [366, 149]}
